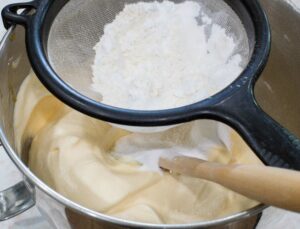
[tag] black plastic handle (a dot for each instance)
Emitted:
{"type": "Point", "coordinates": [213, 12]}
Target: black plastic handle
{"type": "Point", "coordinates": [271, 142]}
{"type": "Point", "coordinates": [11, 16]}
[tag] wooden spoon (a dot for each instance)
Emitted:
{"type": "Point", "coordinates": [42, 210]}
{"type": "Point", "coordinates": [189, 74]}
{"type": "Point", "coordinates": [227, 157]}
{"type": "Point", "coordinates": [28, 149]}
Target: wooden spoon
{"type": "Point", "coordinates": [268, 185]}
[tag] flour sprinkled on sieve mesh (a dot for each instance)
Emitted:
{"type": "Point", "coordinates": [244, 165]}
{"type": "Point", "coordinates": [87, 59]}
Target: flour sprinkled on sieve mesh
{"type": "Point", "coordinates": [80, 24]}
{"type": "Point", "coordinates": [156, 55]}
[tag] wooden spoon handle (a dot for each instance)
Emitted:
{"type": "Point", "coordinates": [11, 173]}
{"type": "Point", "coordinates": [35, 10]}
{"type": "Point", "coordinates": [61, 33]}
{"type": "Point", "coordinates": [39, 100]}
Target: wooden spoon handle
{"type": "Point", "coordinates": [268, 185]}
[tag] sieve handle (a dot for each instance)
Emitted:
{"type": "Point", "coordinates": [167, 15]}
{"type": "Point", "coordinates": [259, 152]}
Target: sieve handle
{"type": "Point", "coordinates": [11, 13]}
{"type": "Point", "coordinates": [271, 142]}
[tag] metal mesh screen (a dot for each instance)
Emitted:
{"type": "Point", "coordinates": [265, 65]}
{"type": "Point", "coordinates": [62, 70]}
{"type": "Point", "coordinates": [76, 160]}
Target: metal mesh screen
{"type": "Point", "coordinates": [80, 23]}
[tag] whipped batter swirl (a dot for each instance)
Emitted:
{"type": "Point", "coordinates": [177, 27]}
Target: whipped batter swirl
{"type": "Point", "coordinates": [114, 171]}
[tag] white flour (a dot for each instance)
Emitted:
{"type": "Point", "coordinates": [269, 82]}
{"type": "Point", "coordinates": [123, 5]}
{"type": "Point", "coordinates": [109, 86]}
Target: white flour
{"type": "Point", "coordinates": [186, 140]}
{"type": "Point", "coordinates": [157, 56]}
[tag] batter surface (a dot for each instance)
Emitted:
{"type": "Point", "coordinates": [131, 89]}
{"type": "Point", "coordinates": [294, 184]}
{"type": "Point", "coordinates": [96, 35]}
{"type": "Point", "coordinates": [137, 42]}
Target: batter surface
{"type": "Point", "coordinates": [99, 167]}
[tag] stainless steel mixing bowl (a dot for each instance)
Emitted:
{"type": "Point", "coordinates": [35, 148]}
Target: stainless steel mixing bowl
{"type": "Point", "coordinates": [277, 92]}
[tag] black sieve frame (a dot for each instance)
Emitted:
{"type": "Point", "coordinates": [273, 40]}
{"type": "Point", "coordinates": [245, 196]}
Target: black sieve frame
{"type": "Point", "coordinates": [235, 105]}
{"type": "Point", "coordinates": [38, 27]}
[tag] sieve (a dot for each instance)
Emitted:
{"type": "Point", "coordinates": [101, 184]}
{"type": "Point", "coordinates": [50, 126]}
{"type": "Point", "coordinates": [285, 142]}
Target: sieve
{"type": "Point", "coordinates": [53, 27]}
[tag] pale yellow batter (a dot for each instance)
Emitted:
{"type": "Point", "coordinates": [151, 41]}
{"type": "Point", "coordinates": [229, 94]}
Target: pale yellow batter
{"type": "Point", "coordinates": [82, 158]}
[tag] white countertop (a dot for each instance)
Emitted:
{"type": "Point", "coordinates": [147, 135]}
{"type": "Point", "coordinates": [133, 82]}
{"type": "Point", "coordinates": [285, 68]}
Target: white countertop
{"type": "Point", "coordinates": [272, 218]}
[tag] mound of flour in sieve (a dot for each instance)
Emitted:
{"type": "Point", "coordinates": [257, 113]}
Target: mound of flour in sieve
{"type": "Point", "coordinates": [157, 55]}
